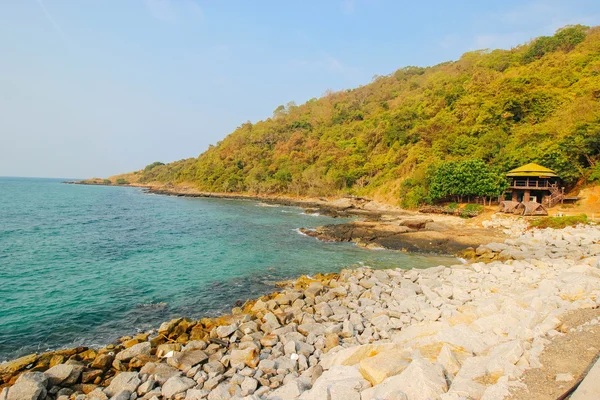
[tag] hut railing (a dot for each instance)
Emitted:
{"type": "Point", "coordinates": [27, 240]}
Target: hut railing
{"type": "Point", "coordinates": [530, 184]}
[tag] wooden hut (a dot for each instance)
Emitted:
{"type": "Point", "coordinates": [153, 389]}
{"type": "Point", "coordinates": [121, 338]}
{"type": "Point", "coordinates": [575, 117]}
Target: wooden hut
{"type": "Point", "coordinates": [530, 208]}
{"type": "Point", "coordinates": [535, 183]}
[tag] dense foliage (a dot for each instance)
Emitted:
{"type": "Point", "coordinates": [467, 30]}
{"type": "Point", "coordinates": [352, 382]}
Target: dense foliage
{"type": "Point", "coordinates": [539, 102]}
{"type": "Point", "coordinates": [465, 179]}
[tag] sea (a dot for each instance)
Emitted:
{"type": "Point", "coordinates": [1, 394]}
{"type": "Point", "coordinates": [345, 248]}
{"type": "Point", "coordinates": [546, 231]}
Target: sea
{"type": "Point", "coordinates": [83, 265]}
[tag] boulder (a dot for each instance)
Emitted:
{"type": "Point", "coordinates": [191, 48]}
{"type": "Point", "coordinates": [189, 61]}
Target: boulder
{"type": "Point", "coordinates": [124, 395]}
{"type": "Point", "coordinates": [134, 351]}
{"type": "Point", "coordinates": [103, 361]}
{"type": "Point", "coordinates": [224, 391]}
{"type": "Point", "coordinates": [462, 336]}
{"type": "Point", "coordinates": [383, 365]}
{"type": "Point", "coordinates": [10, 367]}
{"type": "Point", "coordinates": [291, 390]}
{"type": "Point", "coordinates": [185, 360]}
{"type": "Point", "coordinates": [313, 290]}
{"type": "Point", "coordinates": [97, 394]}
{"type": "Point", "coordinates": [249, 386]}
{"type": "Point", "coordinates": [175, 385]}
{"type": "Point", "coordinates": [196, 394]}
{"type": "Point", "coordinates": [123, 381]}
{"type": "Point", "coordinates": [336, 379]}
{"type": "Point", "coordinates": [314, 328]}
{"type": "Point", "coordinates": [447, 360]}
{"type": "Point", "coordinates": [248, 356]}
{"type": "Point", "coordinates": [161, 372]}
{"type": "Point", "coordinates": [29, 386]}
{"type": "Point", "coordinates": [422, 380]}
{"type": "Point", "coordinates": [63, 374]}
{"type": "Point", "coordinates": [165, 348]}
{"type": "Point", "coordinates": [226, 330]}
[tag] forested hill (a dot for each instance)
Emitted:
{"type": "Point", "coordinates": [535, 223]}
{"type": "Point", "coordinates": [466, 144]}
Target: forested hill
{"type": "Point", "coordinates": [538, 102]}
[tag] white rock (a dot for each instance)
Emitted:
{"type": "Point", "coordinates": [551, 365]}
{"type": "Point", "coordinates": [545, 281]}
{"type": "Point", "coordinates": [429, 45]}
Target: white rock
{"type": "Point", "coordinates": [383, 365]}
{"type": "Point", "coordinates": [338, 376]}
{"type": "Point", "coordinates": [447, 359]}
{"type": "Point", "coordinates": [462, 336]}
{"type": "Point", "coordinates": [564, 377]}
{"type": "Point", "coordinates": [422, 380]}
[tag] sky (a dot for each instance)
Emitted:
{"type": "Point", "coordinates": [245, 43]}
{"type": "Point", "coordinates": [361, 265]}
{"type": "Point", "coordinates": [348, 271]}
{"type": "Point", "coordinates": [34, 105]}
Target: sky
{"type": "Point", "coordinates": [92, 88]}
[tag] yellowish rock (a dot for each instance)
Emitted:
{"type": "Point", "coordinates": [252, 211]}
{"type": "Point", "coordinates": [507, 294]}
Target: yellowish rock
{"type": "Point", "coordinates": [383, 365]}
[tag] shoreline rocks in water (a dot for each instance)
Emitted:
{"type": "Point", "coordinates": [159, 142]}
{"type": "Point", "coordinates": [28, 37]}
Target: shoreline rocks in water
{"type": "Point", "coordinates": [411, 234]}
{"type": "Point", "coordinates": [459, 332]}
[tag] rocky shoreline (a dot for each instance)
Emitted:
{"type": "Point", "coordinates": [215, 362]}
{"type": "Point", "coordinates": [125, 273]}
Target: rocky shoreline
{"type": "Point", "coordinates": [459, 332]}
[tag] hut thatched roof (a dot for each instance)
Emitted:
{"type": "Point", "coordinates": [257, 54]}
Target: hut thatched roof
{"type": "Point", "coordinates": [532, 169]}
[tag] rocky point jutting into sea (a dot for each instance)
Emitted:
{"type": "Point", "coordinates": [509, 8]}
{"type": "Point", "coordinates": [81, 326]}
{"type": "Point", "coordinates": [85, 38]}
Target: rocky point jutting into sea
{"type": "Point", "coordinates": [468, 331]}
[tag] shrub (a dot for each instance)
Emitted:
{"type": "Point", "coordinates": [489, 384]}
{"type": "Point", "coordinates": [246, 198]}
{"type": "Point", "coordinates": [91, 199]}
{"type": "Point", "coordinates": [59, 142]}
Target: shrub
{"type": "Point", "coordinates": [559, 222]}
{"type": "Point", "coordinates": [121, 181]}
{"type": "Point", "coordinates": [474, 207]}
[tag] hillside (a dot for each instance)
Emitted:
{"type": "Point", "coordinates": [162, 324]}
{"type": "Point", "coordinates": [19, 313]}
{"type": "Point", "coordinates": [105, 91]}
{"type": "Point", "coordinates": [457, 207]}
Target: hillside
{"type": "Point", "coordinates": [538, 102]}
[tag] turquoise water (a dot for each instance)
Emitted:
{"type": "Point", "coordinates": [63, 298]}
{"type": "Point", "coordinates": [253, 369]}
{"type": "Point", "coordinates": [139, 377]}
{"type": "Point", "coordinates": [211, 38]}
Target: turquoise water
{"type": "Point", "coordinates": [83, 265]}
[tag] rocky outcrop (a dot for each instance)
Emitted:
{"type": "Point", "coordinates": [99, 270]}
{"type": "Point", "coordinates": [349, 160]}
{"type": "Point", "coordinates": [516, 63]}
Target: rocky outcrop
{"type": "Point", "coordinates": [413, 234]}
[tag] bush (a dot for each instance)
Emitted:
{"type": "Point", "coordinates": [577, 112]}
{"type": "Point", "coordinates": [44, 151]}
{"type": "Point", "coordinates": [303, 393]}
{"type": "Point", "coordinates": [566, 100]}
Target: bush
{"type": "Point", "coordinates": [107, 182]}
{"type": "Point", "coordinates": [474, 207]}
{"type": "Point", "coordinates": [559, 222]}
{"type": "Point", "coordinates": [453, 206]}
{"type": "Point", "coordinates": [121, 181]}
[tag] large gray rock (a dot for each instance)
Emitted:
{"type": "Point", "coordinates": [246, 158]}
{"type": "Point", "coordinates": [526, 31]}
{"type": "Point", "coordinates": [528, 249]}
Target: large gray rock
{"type": "Point", "coordinates": [187, 359]}
{"type": "Point", "coordinates": [161, 372]}
{"type": "Point", "coordinates": [224, 391]}
{"type": "Point", "coordinates": [63, 374]}
{"type": "Point", "coordinates": [124, 395]}
{"type": "Point", "coordinates": [314, 328]}
{"type": "Point", "coordinates": [29, 386]}
{"type": "Point", "coordinates": [226, 330]}
{"type": "Point", "coordinates": [249, 386]}
{"type": "Point", "coordinates": [196, 394]}
{"type": "Point", "coordinates": [133, 351]}
{"type": "Point", "coordinates": [176, 384]}
{"type": "Point", "coordinates": [124, 381]}
{"type": "Point", "coordinates": [291, 390]}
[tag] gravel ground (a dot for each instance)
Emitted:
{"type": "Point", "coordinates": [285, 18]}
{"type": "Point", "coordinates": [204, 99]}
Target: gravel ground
{"type": "Point", "coordinates": [572, 353]}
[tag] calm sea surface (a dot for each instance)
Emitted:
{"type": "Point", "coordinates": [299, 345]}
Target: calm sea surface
{"type": "Point", "coordinates": [82, 265]}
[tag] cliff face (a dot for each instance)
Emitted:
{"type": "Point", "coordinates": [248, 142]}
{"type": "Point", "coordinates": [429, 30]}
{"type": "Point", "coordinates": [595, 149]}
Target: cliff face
{"type": "Point", "coordinates": [537, 102]}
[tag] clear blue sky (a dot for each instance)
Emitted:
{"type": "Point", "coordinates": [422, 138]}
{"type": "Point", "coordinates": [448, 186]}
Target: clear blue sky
{"type": "Point", "coordinates": [98, 87]}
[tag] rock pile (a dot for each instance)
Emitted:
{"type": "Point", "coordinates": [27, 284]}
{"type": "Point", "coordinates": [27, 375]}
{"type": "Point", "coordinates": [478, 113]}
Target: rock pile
{"type": "Point", "coordinates": [459, 332]}
{"type": "Point", "coordinates": [572, 243]}
{"type": "Point", "coordinates": [510, 225]}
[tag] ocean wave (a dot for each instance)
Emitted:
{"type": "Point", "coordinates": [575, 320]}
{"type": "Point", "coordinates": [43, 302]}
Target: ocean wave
{"type": "Point", "coordinates": [316, 214]}
{"type": "Point", "coordinates": [261, 204]}
{"type": "Point", "coordinates": [297, 230]}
